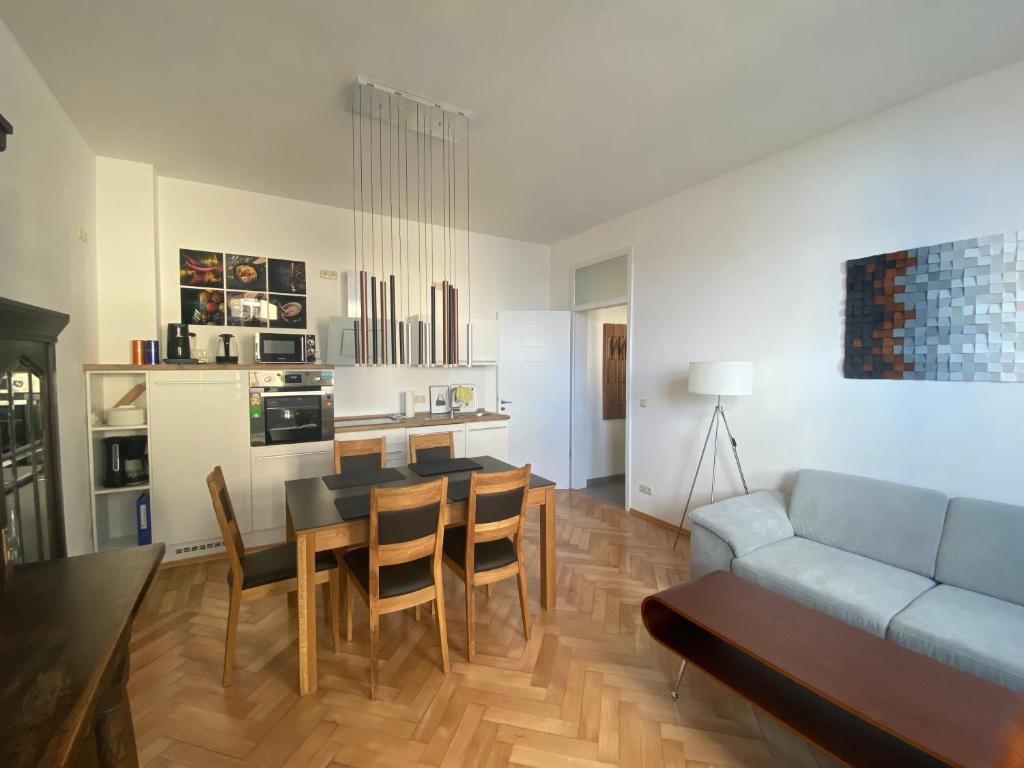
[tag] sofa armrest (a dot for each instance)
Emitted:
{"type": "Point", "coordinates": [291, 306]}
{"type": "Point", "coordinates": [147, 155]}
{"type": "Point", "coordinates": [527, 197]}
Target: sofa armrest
{"type": "Point", "coordinates": [747, 523]}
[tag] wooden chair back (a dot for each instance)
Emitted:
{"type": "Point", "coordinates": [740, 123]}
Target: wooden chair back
{"type": "Point", "coordinates": [359, 455]}
{"type": "Point", "coordinates": [406, 524]}
{"type": "Point", "coordinates": [433, 446]}
{"type": "Point", "coordinates": [496, 507]}
{"type": "Point", "coordinates": [225, 513]}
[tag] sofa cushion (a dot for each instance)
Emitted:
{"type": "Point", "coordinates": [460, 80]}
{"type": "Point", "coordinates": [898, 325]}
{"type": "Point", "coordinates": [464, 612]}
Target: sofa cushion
{"type": "Point", "coordinates": [976, 633]}
{"type": "Point", "coordinates": [982, 549]}
{"type": "Point", "coordinates": [854, 589]}
{"type": "Point", "coordinates": [747, 522]}
{"type": "Point", "coordinates": [895, 524]}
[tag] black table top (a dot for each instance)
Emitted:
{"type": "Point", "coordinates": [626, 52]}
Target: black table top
{"type": "Point", "coordinates": [311, 503]}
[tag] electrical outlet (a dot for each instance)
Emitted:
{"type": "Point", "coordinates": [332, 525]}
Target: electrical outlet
{"type": "Point", "coordinates": [643, 402]}
{"type": "Point", "coordinates": [646, 489]}
{"type": "Point", "coordinates": [328, 274]}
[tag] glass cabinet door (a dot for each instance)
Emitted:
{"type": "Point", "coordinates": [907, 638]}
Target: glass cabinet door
{"type": "Point", "coordinates": [25, 461]}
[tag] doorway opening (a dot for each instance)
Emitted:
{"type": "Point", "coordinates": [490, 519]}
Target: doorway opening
{"type": "Point", "coordinates": [600, 379]}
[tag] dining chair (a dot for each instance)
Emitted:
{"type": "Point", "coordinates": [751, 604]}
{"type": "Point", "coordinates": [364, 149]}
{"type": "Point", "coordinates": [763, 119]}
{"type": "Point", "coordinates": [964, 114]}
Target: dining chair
{"type": "Point", "coordinates": [481, 552]}
{"type": "Point", "coordinates": [266, 571]}
{"type": "Point", "coordinates": [401, 567]}
{"type": "Point", "coordinates": [432, 446]}
{"type": "Point", "coordinates": [359, 455]}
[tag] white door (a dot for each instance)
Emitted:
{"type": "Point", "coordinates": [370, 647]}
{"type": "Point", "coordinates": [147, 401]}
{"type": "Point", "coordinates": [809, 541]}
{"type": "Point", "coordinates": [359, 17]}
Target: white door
{"type": "Point", "coordinates": [533, 388]}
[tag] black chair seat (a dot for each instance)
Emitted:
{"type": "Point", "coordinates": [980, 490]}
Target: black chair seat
{"type": "Point", "coordinates": [487, 555]}
{"type": "Point", "coordinates": [273, 564]}
{"type": "Point", "coordinates": [395, 580]}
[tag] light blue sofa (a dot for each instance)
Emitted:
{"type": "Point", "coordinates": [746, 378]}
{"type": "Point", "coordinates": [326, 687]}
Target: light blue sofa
{"type": "Point", "coordinates": [941, 577]}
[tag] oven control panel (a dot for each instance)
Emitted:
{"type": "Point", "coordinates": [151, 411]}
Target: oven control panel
{"type": "Point", "coordinates": [262, 379]}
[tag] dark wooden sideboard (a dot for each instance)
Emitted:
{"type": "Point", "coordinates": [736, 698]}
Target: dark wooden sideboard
{"type": "Point", "coordinates": [864, 700]}
{"type": "Point", "coordinates": [64, 638]}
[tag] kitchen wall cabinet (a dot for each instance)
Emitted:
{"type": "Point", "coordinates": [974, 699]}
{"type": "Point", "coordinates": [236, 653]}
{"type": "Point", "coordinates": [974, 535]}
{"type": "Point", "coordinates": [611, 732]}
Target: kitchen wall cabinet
{"type": "Point", "coordinates": [488, 438]}
{"type": "Point", "coordinates": [483, 340]}
{"type": "Point", "coordinates": [272, 466]}
{"type": "Point", "coordinates": [198, 420]}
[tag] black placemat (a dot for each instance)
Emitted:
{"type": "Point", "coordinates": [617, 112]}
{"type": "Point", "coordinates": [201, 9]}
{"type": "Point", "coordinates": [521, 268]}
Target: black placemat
{"type": "Point", "coordinates": [458, 490]}
{"type": "Point", "coordinates": [352, 479]}
{"type": "Point", "coordinates": [443, 466]}
{"type": "Point", "coordinates": [353, 507]}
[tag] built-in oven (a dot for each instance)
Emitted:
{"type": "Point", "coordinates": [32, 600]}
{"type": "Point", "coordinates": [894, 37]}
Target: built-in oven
{"type": "Point", "coordinates": [290, 407]}
{"type": "Point", "coordinates": [285, 347]}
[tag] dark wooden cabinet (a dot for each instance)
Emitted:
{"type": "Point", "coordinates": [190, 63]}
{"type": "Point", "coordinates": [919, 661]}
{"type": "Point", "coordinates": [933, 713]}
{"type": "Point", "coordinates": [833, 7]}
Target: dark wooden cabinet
{"type": "Point", "coordinates": [64, 659]}
{"type": "Point", "coordinates": [30, 490]}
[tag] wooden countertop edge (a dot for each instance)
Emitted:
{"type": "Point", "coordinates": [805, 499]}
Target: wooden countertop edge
{"type": "Point", "coordinates": [415, 421]}
{"type": "Point", "coordinates": [113, 367]}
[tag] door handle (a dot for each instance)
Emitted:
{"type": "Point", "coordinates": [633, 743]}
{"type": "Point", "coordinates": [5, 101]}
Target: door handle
{"type": "Point", "coordinates": [505, 402]}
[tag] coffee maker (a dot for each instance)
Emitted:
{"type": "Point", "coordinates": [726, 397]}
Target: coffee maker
{"type": "Point", "coordinates": [125, 461]}
{"type": "Point", "coordinates": [228, 345]}
{"type": "Point", "coordinates": [179, 349]}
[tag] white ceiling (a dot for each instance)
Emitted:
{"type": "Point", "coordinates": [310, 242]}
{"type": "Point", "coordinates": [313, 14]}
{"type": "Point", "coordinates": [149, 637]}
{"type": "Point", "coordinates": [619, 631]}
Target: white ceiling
{"type": "Point", "coordinates": [586, 109]}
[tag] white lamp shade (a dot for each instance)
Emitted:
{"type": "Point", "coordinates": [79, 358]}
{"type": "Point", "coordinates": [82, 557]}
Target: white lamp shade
{"type": "Point", "coordinates": [716, 378]}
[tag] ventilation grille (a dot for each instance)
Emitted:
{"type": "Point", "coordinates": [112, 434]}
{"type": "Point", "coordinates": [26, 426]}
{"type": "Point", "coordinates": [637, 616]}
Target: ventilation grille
{"type": "Point", "coordinates": [199, 547]}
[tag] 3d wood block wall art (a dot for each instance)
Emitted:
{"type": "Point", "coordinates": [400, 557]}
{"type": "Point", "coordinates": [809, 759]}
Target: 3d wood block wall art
{"type": "Point", "coordinates": [948, 312]}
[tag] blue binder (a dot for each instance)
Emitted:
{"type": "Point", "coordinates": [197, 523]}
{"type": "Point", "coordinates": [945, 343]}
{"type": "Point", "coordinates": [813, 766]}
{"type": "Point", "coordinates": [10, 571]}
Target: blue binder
{"type": "Point", "coordinates": [143, 520]}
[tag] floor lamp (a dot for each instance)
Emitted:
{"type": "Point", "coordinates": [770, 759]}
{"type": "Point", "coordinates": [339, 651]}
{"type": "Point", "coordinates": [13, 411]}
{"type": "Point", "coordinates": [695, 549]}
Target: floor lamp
{"type": "Point", "coordinates": [719, 380]}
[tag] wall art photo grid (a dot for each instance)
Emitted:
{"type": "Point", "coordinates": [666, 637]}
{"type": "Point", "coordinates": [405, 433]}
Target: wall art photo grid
{"type": "Point", "coordinates": [948, 312]}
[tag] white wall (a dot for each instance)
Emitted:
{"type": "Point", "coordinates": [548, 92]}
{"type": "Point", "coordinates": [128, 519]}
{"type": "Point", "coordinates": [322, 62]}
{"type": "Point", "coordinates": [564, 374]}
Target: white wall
{"type": "Point", "coordinates": [506, 274]}
{"type": "Point", "coordinates": [599, 445]}
{"type": "Point", "coordinates": [750, 266]}
{"type": "Point", "coordinates": [47, 190]}
{"type": "Point", "coordinates": [126, 254]}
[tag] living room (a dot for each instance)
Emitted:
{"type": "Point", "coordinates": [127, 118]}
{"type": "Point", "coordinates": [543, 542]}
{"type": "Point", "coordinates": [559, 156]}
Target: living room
{"type": "Point", "coordinates": [781, 180]}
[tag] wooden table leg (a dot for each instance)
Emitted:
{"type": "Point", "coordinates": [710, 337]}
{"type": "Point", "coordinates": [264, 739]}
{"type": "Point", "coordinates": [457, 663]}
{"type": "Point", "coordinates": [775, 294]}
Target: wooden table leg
{"type": "Point", "coordinates": [289, 536]}
{"type": "Point", "coordinates": [547, 550]}
{"type": "Point", "coordinates": [115, 736]}
{"type": "Point", "coordinates": [305, 559]}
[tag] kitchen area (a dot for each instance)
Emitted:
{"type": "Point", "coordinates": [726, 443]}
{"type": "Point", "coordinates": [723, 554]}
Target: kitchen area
{"type": "Point", "coordinates": [157, 429]}
{"type": "Point", "coordinates": [268, 327]}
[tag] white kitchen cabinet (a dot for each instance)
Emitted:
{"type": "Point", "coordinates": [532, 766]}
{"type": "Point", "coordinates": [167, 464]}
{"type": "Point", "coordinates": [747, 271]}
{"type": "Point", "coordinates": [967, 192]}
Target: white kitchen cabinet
{"type": "Point", "coordinates": [487, 438]}
{"type": "Point", "coordinates": [458, 431]}
{"type": "Point", "coordinates": [272, 466]}
{"type": "Point", "coordinates": [198, 420]}
{"type": "Point", "coordinates": [483, 342]}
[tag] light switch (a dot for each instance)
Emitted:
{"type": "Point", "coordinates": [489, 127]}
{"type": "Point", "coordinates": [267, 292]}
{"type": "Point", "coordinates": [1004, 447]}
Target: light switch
{"type": "Point", "coordinates": [643, 402]}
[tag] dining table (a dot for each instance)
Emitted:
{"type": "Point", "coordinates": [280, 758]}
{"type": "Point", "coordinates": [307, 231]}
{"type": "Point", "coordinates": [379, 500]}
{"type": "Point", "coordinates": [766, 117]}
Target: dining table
{"type": "Point", "coordinates": [319, 519]}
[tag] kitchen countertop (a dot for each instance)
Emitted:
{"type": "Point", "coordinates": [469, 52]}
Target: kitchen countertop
{"type": "Point", "coordinates": [343, 423]}
{"type": "Point", "coordinates": [207, 367]}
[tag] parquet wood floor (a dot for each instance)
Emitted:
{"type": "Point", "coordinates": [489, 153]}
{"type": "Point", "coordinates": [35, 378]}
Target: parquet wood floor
{"type": "Point", "coordinates": [590, 689]}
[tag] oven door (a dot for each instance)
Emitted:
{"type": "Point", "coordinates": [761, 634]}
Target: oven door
{"type": "Point", "coordinates": [280, 347]}
{"type": "Point", "coordinates": [289, 417]}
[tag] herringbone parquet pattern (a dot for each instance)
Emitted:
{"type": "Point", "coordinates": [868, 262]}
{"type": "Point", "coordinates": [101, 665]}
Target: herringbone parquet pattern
{"type": "Point", "coordinates": [589, 689]}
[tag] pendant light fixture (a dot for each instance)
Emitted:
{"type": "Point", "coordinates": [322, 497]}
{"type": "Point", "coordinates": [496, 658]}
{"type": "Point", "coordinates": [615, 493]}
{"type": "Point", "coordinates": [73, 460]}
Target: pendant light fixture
{"type": "Point", "coordinates": [420, 245]}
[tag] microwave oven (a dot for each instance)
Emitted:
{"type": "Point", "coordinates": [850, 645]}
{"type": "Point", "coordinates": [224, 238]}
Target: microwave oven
{"type": "Point", "coordinates": [285, 348]}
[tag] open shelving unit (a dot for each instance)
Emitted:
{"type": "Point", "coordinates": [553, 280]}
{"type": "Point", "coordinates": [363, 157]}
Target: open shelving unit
{"type": "Point", "coordinates": [113, 509]}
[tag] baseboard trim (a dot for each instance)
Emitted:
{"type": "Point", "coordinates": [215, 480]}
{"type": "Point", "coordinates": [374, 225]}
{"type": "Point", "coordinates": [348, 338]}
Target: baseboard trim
{"type": "Point", "coordinates": [657, 521]}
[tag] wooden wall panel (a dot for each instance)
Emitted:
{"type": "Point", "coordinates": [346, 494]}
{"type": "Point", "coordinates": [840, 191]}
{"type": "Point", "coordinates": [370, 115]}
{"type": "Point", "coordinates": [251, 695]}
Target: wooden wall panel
{"type": "Point", "coordinates": [613, 371]}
